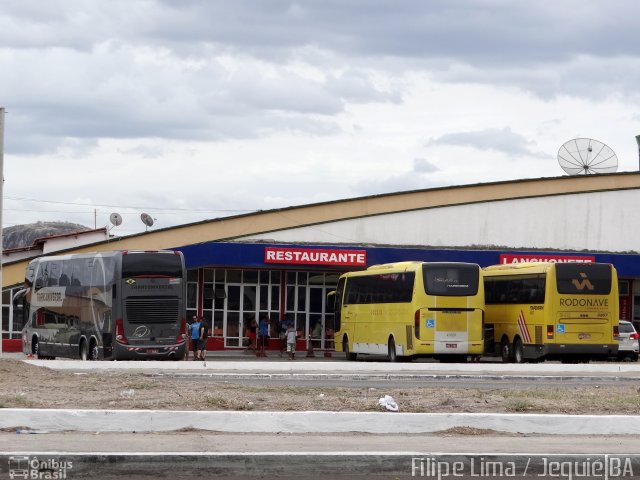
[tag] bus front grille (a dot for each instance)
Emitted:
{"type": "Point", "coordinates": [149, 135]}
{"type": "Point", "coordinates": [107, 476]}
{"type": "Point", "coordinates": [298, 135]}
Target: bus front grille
{"type": "Point", "coordinates": [152, 310]}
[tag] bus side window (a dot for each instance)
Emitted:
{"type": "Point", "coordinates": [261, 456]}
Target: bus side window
{"type": "Point", "coordinates": [31, 273]}
{"type": "Point", "coordinates": [54, 274]}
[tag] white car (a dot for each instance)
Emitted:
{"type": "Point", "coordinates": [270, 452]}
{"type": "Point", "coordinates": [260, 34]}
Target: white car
{"type": "Point", "coordinates": [628, 347]}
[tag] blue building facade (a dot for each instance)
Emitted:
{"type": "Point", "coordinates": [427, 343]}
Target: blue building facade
{"type": "Point", "coordinates": [232, 284]}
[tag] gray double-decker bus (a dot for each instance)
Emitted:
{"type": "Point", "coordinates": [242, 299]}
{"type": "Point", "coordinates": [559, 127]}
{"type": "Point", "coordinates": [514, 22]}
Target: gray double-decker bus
{"type": "Point", "coordinates": [110, 305]}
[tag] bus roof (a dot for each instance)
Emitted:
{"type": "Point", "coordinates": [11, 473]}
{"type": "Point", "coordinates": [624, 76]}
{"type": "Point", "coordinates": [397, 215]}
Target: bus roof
{"type": "Point", "coordinates": [395, 266]}
{"type": "Point", "coordinates": [529, 267]}
{"type": "Point", "coordinates": [409, 265]}
{"type": "Point", "coordinates": [106, 254]}
{"type": "Point", "coordinates": [518, 266]}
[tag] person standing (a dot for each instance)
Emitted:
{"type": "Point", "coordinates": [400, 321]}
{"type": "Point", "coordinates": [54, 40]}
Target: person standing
{"type": "Point", "coordinates": [194, 319]}
{"type": "Point", "coordinates": [263, 333]}
{"type": "Point", "coordinates": [292, 337]}
{"type": "Point", "coordinates": [202, 342]}
{"type": "Point", "coordinates": [316, 334]}
{"type": "Point", "coordinates": [194, 329]}
{"type": "Point", "coordinates": [283, 335]}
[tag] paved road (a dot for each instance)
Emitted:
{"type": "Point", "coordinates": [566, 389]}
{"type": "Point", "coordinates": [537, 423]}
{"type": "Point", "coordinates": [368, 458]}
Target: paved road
{"type": "Point", "coordinates": [201, 441]}
{"type": "Point", "coordinates": [204, 455]}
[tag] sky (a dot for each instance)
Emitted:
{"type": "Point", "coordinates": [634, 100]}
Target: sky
{"type": "Point", "coordinates": [190, 110]}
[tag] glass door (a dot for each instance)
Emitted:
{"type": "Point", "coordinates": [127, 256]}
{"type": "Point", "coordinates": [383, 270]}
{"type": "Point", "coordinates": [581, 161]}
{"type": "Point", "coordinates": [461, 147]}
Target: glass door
{"type": "Point", "coordinates": [241, 309]}
{"type": "Point", "coordinates": [316, 307]}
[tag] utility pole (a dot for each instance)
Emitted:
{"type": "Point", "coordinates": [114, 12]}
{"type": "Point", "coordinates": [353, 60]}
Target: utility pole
{"type": "Point", "coordinates": [1, 194]}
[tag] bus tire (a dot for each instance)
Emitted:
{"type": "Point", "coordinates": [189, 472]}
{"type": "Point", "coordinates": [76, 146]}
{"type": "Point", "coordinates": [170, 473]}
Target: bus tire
{"type": "Point", "coordinates": [518, 351]}
{"type": "Point", "coordinates": [84, 350]}
{"type": "Point", "coordinates": [93, 350]}
{"type": "Point", "coordinates": [345, 348]}
{"type": "Point", "coordinates": [505, 350]}
{"type": "Point", "coordinates": [393, 355]}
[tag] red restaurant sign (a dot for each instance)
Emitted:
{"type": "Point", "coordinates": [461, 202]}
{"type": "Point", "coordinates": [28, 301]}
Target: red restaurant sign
{"type": "Point", "coordinates": [315, 256]}
{"type": "Point", "coordinates": [506, 258]}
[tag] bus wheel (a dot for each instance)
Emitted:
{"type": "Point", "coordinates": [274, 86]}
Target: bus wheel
{"type": "Point", "coordinates": [505, 349]}
{"type": "Point", "coordinates": [84, 350]}
{"type": "Point", "coordinates": [393, 355]}
{"type": "Point", "coordinates": [345, 349]}
{"type": "Point", "coordinates": [93, 351]}
{"type": "Point", "coordinates": [518, 355]}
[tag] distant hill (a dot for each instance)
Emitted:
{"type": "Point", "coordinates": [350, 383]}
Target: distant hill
{"type": "Point", "coordinates": [24, 235]}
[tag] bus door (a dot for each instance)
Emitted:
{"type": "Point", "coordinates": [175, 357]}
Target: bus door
{"type": "Point", "coordinates": [348, 311]}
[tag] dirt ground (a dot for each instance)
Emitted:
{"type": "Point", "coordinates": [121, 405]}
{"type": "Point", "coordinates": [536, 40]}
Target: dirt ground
{"type": "Point", "coordinates": [28, 386]}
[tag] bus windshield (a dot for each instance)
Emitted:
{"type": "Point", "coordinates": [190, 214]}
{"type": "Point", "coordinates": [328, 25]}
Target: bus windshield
{"type": "Point", "coordinates": [155, 264]}
{"type": "Point", "coordinates": [451, 279]}
{"type": "Point", "coordinates": [583, 278]}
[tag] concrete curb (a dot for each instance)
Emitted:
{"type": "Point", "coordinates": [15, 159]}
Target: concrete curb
{"type": "Point", "coordinates": [363, 377]}
{"type": "Point", "coordinates": [56, 420]}
{"type": "Point", "coordinates": [261, 366]}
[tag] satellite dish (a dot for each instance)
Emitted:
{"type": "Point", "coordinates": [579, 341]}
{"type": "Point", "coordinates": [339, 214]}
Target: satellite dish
{"type": "Point", "coordinates": [115, 219]}
{"type": "Point", "coordinates": [146, 219]}
{"type": "Point", "coordinates": [586, 156]}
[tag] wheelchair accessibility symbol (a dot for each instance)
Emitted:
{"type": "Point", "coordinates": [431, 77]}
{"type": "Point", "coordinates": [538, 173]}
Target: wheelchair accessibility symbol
{"type": "Point", "coordinates": [431, 323]}
{"type": "Point", "coordinates": [560, 328]}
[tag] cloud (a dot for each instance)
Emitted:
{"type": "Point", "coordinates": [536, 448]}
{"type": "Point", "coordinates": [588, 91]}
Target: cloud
{"type": "Point", "coordinates": [500, 140]}
{"type": "Point", "coordinates": [421, 165]}
{"type": "Point", "coordinates": [217, 70]}
{"type": "Point", "coordinates": [414, 179]}
{"type": "Point", "coordinates": [117, 91]}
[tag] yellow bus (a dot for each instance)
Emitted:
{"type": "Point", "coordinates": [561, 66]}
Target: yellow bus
{"type": "Point", "coordinates": [411, 309]}
{"type": "Point", "coordinates": [558, 311]}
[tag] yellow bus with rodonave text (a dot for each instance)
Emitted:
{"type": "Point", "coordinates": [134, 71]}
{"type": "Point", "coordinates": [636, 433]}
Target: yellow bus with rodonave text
{"type": "Point", "coordinates": [411, 309]}
{"type": "Point", "coordinates": [556, 311]}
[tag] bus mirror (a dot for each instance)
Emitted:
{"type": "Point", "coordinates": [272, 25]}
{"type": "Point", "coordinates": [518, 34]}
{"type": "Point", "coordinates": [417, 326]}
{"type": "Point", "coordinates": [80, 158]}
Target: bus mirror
{"type": "Point", "coordinates": [331, 301]}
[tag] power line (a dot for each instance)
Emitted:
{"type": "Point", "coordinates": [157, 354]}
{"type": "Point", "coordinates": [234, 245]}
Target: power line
{"type": "Point", "coordinates": [154, 209]}
{"type": "Point", "coordinates": [91, 212]}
